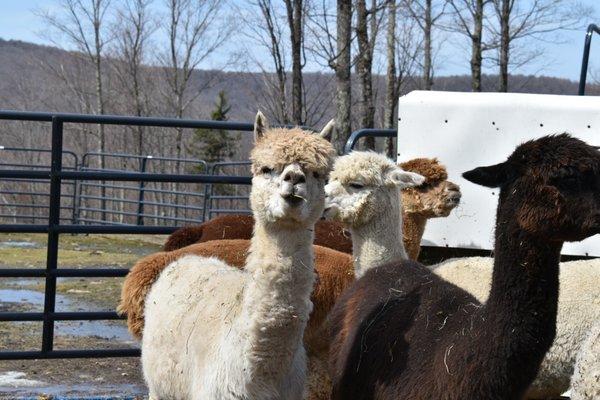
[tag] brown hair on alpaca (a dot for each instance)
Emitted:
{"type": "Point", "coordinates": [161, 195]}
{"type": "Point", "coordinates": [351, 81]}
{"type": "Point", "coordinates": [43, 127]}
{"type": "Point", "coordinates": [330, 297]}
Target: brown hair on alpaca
{"type": "Point", "coordinates": [327, 233]}
{"type": "Point", "coordinates": [402, 332]}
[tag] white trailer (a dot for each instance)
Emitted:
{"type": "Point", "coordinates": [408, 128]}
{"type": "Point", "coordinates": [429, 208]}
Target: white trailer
{"type": "Point", "coordinates": [467, 130]}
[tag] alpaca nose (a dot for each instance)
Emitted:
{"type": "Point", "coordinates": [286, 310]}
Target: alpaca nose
{"type": "Point", "coordinates": [453, 194]}
{"type": "Point", "coordinates": [294, 177]}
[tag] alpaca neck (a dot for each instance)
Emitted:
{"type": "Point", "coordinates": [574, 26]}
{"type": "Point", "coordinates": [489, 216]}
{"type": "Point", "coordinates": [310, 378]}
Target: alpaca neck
{"type": "Point", "coordinates": [379, 241]}
{"type": "Point", "coordinates": [518, 322]}
{"type": "Point", "coordinates": [413, 227]}
{"type": "Point", "coordinates": [525, 279]}
{"type": "Point", "coordinates": [276, 301]}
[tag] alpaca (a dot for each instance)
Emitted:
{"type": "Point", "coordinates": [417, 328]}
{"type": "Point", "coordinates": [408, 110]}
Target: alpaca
{"type": "Point", "coordinates": [239, 226]}
{"type": "Point", "coordinates": [436, 197]}
{"type": "Point", "coordinates": [400, 331]}
{"type": "Point", "coordinates": [334, 271]}
{"type": "Point", "coordinates": [586, 379]}
{"type": "Point", "coordinates": [578, 308]}
{"type": "Point", "coordinates": [213, 331]}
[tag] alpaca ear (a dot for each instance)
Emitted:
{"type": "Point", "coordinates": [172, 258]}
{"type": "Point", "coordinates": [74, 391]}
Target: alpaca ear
{"type": "Point", "coordinates": [491, 176]}
{"type": "Point", "coordinates": [261, 125]}
{"type": "Point", "coordinates": [327, 131]}
{"type": "Point", "coordinates": [403, 179]}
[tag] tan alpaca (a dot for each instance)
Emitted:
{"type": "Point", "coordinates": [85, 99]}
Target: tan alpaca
{"type": "Point", "coordinates": [435, 198]}
{"type": "Point", "coordinates": [213, 331]}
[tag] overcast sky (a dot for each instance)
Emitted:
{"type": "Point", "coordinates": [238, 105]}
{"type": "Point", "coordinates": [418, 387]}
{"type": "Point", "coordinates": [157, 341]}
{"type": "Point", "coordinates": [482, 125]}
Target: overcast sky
{"type": "Point", "coordinates": [18, 21]}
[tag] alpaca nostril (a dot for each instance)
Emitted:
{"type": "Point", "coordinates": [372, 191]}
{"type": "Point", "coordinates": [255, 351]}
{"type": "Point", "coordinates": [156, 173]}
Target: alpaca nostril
{"type": "Point", "coordinates": [454, 198]}
{"type": "Point", "coordinates": [294, 178]}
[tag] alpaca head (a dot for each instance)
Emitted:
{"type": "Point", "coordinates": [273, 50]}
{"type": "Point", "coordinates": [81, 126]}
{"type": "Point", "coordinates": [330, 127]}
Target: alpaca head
{"type": "Point", "coordinates": [549, 186]}
{"type": "Point", "coordinates": [364, 186]}
{"type": "Point", "coordinates": [437, 196]}
{"type": "Point", "coordinates": [290, 168]}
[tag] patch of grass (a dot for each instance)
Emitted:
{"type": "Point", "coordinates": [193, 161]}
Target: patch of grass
{"type": "Point", "coordinates": [79, 250]}
{"type": "Point", "coordinates": [104, 292]}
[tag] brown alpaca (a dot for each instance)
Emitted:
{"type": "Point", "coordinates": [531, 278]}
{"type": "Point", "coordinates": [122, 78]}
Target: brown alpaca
{"type": "Point", "coordinates": [402, 332]}
{"type": "Point", "coordinates": [435, 198]}
{"type": "Point", "coordinates": [334, 269]}
{"type": "Point", "coordinates": [239, 226]}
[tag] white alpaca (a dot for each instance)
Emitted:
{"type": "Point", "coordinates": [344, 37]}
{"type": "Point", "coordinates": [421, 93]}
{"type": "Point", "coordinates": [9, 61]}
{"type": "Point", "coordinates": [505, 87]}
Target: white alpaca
{"type": "Point", "coordinates": [585, 384]}
{"type": "Point", "coordinates": [578, 310]}
{"type": "Point", "coordinates": [364, 193]}
{"type": "Point", "coordinates": [217, 332]}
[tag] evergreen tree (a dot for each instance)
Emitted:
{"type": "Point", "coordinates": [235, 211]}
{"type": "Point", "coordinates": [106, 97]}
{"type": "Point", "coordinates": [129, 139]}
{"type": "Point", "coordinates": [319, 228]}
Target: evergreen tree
{"type": "Point", "coordinates": [215, 145]}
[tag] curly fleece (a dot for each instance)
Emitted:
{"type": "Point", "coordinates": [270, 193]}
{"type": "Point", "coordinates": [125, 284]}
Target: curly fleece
{"type": "Point", "coordinates": [370, 166]}
{"type": "Point", "coordinates": [280, 147]}
{"type": "Point", "coordinates": [430, 168]}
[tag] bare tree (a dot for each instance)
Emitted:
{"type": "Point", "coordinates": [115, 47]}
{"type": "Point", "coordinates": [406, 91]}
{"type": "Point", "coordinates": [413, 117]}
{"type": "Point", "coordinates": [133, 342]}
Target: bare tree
{"type": "Point", "coordinates": [402, 51]}
{"type": "Point", "coordinates": [267, 31]}
{"type": "Point", "coordinates": [331, 41]}
{"type": "Point", "coordinates": [367, 28]}
{"type": "Point", "coordinates": [537, 20]}
{"type": "Point", "coordinates": [132, 31]}
{"type": "Point", "coordinates": [468, 19]}
{"type": "Point", "coordinates": [296, 17]}
{"type": "Point", "coordinates": [427, 14]}
{"type": "Point", "coordinates": [81, 23]}
{"type": "Point", "coordinates": [193, 34]}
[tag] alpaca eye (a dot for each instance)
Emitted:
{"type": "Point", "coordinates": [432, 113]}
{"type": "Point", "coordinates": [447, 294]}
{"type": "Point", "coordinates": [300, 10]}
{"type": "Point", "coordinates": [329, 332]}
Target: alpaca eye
{"type": "Point", "coordinates": [266, 170]}
{"type": "Point", "coordinates": [355, 185]}
{"type": "Point", "coordinates": [316, 175]}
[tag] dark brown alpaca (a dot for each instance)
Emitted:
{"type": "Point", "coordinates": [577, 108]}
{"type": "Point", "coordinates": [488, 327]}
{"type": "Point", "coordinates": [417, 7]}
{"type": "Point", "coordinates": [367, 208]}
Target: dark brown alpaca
{"type": "Point", "coordinates": [400, 332]}
{"type": "Point", "coordinates": [327, 233]}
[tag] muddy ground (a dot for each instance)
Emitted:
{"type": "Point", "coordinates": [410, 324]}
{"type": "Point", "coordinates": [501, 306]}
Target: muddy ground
{"type": "Point", "coordinates": [112, 377]}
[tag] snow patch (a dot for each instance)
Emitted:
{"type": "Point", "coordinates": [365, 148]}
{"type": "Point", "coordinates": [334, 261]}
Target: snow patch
{"type": "Point", "coordinates": [17, 379]}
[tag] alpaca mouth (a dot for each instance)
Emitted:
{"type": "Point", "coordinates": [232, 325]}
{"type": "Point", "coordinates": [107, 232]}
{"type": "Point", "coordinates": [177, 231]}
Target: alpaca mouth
{"type": "Point", "coordinates": [294, 200]}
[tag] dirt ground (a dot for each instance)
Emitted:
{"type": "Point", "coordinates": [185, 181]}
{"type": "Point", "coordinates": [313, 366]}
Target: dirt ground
{"type": "Point", "coordinates": [106, 377]}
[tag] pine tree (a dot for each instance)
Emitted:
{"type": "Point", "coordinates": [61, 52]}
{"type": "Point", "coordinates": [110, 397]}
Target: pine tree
{"type": "Point", "coordinates": [215, 145]}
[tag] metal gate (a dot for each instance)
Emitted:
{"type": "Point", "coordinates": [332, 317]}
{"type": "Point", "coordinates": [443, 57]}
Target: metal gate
{"type": "Point", "coordinates": [55, 174]}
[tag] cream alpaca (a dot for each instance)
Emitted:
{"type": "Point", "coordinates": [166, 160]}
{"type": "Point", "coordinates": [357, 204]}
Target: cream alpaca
{"type": "Point", "coordinates": [585, 384]}
{"type": "Point", "coordinates": [364, 193]}
{"type": "Point", "coordinates": [578, 309]}
{"type": "Point", "coordinates": [215, 332]}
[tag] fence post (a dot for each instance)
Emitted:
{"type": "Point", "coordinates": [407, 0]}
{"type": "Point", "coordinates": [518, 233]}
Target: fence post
{"type": "Point", "coordinates": [140, 210]}
{"type": "Point", "coordinates": [76, 186]}
{"type": "Point", "coordinates": [53, 223]}
{"type": "Point", "coordinates": [208, 192]}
